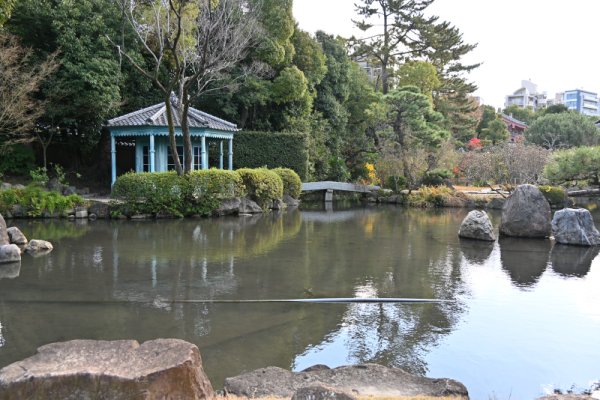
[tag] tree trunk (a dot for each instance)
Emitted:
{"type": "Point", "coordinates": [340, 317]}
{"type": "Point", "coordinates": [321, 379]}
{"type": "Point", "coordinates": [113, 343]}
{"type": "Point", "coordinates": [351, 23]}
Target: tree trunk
{"type": "Point", "coordinates": [185, 130]}
{"type": "Point", "coordinates": [172, 141]}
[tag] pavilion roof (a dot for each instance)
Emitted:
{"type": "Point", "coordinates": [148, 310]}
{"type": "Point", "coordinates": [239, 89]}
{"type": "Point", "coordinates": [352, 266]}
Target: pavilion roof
{"type": "Point", "coordinates": [156, 115]}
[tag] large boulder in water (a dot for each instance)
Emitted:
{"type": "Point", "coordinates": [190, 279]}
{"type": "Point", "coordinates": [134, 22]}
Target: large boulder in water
{"type": "Point", "coordinates": [9, 253]}
{"type": "Point", "coordinates": [16, 236]}
{"type": "Point", "coordinates": [477, 225]}
{"type": "Point", "coordinates": [526, 214]}
{"type": "Point", "coordinates": [575, 226]}
{"type": "Point", "coordinates": [362, 380]}
{"type": "Point", "coordinates": [118, 370]}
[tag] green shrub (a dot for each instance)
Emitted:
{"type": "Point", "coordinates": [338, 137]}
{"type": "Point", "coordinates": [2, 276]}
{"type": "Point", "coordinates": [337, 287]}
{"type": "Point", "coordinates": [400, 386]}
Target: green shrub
{"type": "Point", "coordinates": [199, 192]}
{"type": "Point", "coordinates": [440, 196]}
{"type": "Point", "coordinates": [207, 188]}
{"type": "Point", "coordinates": [292, 184]}
{"type": "Point", "coordinates": [151, 193]}
{"type": "Point", "coordinates": [395, 183]}
{"type": "Point", "coordinates": [556, 196]}
{"type": "Point", "coordinates": [37, 201]}
{"type": "Point", "coordinates": [436, 177]}
{"type": "Point", "coordinates": [272, 150]}
{"type": "Point", "coordinates": [17, 159]}
{"type": "Point", "coordinates": [263, 186]}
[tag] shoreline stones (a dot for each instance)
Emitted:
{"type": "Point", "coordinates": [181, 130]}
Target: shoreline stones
{"type": "Point", "coordinates": [526, 214]}
{"type": "Point", "coordinates": [10, 253]}
{"type": "Point", "coordinates": [116, 370]}
{"type": "Point", "coordinates": [575, 227]}
{"type": "Point", "coordinates": [477, 226]}
{"type": "Point", "coordinates": [38, 247]}
{"type": "Point", "coordinates": [361, 380]}
{"type": "Point", "coordinates": [15, 236]}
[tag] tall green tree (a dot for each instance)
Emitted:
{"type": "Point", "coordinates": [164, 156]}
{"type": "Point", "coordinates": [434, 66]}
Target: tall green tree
{"type": "Point", "coordinates": [495, 132]}
{"type": "Point", "coordinates": [526, 115]}
{"type": "Point", "coordinates": [564, 130]}
{"type": "Point", "coordinates": [453, 97]}
{"type": "Point", "coordinates": [421, 74]}
{"type": "Point", "coordinates": [399, 25]}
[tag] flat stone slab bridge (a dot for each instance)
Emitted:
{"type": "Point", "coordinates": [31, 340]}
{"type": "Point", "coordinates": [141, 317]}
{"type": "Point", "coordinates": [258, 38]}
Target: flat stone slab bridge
{"type": "Point", "coordinates": [328, 187]}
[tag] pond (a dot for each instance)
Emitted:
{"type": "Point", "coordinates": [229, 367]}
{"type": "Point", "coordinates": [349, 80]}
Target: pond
{"type": "Point", "coordinates": [524, 316]}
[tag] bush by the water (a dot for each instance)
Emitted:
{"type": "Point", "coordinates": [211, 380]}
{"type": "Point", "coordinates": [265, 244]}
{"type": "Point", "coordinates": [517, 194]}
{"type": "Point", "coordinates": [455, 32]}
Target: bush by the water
{"type": "Point", "coordinates": [292, 184]}
{"type": "Point", "coordinates": [263, 186]}
{"type": "Point", "coordinates": [438, 196]}
{"type": "Point", "coordinates": [271, 149]}
{"type": "Point", "coordinates": [197, 193]}
{"type": "Point", "coordinates": [36, 201]}
{"type": "Point", "coordinates": [436, 177]}
{"type": "Point", "coordinates": [16, 159]}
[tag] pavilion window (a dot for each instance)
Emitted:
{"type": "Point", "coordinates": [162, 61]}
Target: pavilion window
{"type": "Point", "coordinates": [170, 162]}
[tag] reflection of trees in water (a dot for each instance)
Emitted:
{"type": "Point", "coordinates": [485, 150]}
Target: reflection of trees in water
{"type": "Point", "coordinates": [573, 261]}
{"type": "Point", "coordinates": [2, 341]}
{"type": "Point", "coordinates": [401, 253]}
{"type": "Point", "coordinates": [525, 260]}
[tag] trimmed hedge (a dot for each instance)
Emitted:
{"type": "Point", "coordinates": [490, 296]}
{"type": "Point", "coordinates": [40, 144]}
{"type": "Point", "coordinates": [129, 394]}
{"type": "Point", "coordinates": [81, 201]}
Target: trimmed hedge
{"type": "Point", "coordinates": [292, 184]}
{"type": "Point", "coordinates": [199, 192]}
{"type": "Point", "coordinates": [263, 185]}
{"type": "Point", "coordinates": [271, 150]}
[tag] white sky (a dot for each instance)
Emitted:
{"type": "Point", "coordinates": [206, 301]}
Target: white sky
{"type": "Point", "coordinates": [553, 43]}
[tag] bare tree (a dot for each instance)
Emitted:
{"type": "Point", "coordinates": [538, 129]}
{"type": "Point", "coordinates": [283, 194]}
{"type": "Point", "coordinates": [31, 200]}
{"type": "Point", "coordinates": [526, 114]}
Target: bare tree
{"type": "Point", "coordinates": [192, 45]}
{"type": "Point", "coordinates": [19, 82]}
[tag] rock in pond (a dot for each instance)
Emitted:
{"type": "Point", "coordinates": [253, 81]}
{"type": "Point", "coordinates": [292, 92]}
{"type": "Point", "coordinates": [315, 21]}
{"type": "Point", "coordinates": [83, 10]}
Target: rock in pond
{"type": "Point", "coordinates": [290, 201]}
{"type": "Point", "coordinates": [477, 225]}
{"type": "Point", "coordinates": [248, 206]}
{"type": "Point", "coordinates": [10, 253]}
{"type": "Point", "coordinates": [526, 214]}
{"type": "Point", "coordinates": [3, 233]}
{"type": "Point", "coordinates": [576, 227]}
{"type": "Point", "coordinates": [117, 370]}
{"type": "Point", "coordinates": [15, 236]}
{"type": "Point", "coordinates": [362, 380]}
{"type": "Point", "coordinates": [228, 207]}
{"type": "Point", "coordinates": [38, 247]}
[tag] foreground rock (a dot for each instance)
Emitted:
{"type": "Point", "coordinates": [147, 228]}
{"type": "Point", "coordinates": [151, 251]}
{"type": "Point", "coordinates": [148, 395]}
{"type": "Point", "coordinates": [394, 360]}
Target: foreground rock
{"type": "Point", "coordinates": [118, 370]}
{"type": "Point", "coordinates": [360, 380]}
{"type": "Point", "coordinates": [477, 225]}
{"type": "Point", "coordinates": [15, 236]}
{"type": "Point", "coordinates": [526, 214]}
{"type": "Point", "coordinates": [3, 233]}
{"type": "Point", "coordinates": [576, 227]}
{"type": "Point", "coordinates": [9, 253]}
{"type": "Point", "coordinates": [321, 392]}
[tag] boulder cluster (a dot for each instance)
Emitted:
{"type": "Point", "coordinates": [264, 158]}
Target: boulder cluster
{"type": "Point", "coordinates": [527, 214]}
{"type": "Point", "coordinates": [13, 243]}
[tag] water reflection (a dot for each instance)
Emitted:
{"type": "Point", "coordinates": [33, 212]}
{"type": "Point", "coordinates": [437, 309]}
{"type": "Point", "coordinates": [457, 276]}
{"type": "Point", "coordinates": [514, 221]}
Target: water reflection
{"type": "Point", "coordinates": [2, 341]}
{"type": "Point", "coordinates": [10, 270]}
{"type": "Point", "coordinates": [573, 261]}
{"type": "Point", "coordinates": [525, 260]}
{"type": "Point", "coordinates": [476, 251]}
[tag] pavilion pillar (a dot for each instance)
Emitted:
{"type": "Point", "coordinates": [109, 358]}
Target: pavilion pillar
{"type": "Point", "coordinates": [113, 159]}
{"type": "Point", "coordinates": [221, 154]}
{"type": "Point", "coordinates": [204, 154]}
{"type": "Point", "coordinates": [151, 154]}
{"type": "Point", "coordinates": [230, 154]}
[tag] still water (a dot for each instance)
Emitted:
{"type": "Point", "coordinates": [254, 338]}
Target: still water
{"type": "Point", "coordinates": [524, 319]}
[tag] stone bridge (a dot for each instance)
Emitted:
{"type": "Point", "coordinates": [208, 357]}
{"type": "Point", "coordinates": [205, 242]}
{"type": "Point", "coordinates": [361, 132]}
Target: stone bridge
{"type": "Point", "coordinates": [328, 187]}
